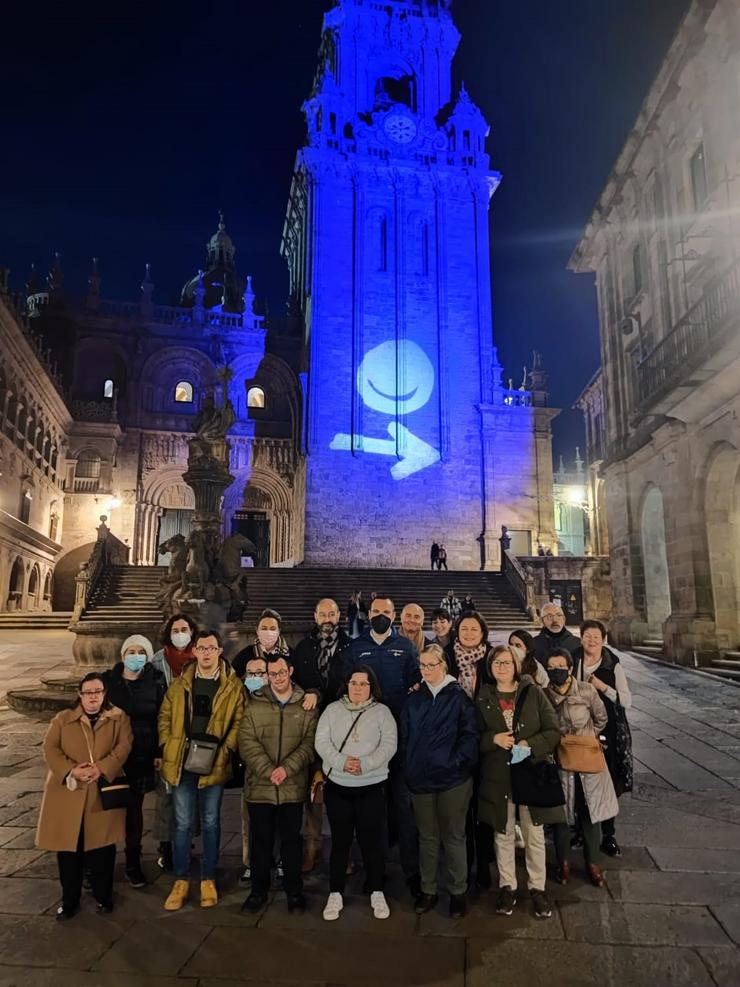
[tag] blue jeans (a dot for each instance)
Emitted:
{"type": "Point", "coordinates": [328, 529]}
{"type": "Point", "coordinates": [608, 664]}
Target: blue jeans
{"type": "Point", "coordinates": [185, 798]}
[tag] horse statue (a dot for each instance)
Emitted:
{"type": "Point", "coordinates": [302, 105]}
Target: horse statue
{"type": "Point", "coordinates": [230, 557]}
{"type": "Point", "coordinates": [196, 567]}
{"type": "Point", "coordinates": [172, 581]}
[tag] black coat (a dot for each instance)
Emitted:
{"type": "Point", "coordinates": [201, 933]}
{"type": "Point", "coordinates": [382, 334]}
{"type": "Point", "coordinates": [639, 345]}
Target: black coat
{"type": "Point", "coordinates": [545, 643]}
{"type": "Point", "coordinates": [306, 667]}
{"type": "Point", "coordinates": [140, 699]}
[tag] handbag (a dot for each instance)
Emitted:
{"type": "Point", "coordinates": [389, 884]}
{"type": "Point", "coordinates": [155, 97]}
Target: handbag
{"type": "Point", "coordinates": [581, 754]}
{"type": "Point", "coordinates": [114, 794]}
{"type": "Point", "coordinates": [535, 783]}
{"type": "Point", "coordinates": [200, 755]}
{"type": "Point", "coordinates": [318, 782]}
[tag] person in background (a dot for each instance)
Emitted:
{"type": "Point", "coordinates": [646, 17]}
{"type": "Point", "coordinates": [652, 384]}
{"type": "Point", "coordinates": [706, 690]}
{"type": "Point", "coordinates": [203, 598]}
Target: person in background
{"type": "Point", "coordinates": [594, 662]}
{"type": "Point", "coordinates": [172, 657]}
{"type": "Point", "coordinates": [255, 677]}
{"type": "Point", "coordinates": [524, 643]}
{"type": "Point", "coordinates": [554, 634]}
{"type": "Point", "coordinates": [589, 798]}
{"type": "Point", "coordinates": [468, 604]}
{"type": "Point", "coordinates": [442, 627]}
{"type": "Point", "coordinates": [318, 668]}
{"type": "Point", "coordinates": [439, 747]}
{"type": "Point", "coordinates": [434, 555]}
{"type": "Point", "coordinates": [268, 641]}
{"type": "Point", "coordinates": [412, 626]}
{"type": "Point", "coordinates": [137, 687]}
{"type": "Point", "coordinates": [82, 745]}
{"type": "Point", "coordinates": [536, 734]}
{"type": "Point", "coordinates": [356, 614]}
{"type": "Point", "coordinates": [356, 738]}
{"type": "Point", "coordinates": [451, 604]}
{"type": "Point", "coordinates": [205, 702]}
{"type": "Point", "coordinates": [442, 558]}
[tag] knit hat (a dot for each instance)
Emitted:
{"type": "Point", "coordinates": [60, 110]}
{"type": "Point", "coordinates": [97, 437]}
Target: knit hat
{"type": "Point", "coordinates": [142, 642]}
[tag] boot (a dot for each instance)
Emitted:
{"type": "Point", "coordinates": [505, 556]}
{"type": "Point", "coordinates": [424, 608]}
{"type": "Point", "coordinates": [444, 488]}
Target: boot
{"type": "Point", "coordinates": [310, 859]}
{"type": "Point", "coordinates": [596, 876]}
{"type": "Point", "coordinates": [564, 872]}
{"type": "Point", "coordinates": [208, 894]}
{"type": "Point", "coordinates": [134, 873]}
{"type": "Point", "coordinates": [177, 896]}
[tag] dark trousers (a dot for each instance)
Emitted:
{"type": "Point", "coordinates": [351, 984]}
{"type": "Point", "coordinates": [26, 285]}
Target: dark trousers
{"type": "Point", "coordinates": [360, 810]}
{"type": "Point", "coordinates": [591, 831]}
{"type": "Point", "coordinates": [98, 863]}
{"type": "Point", "coordinates": [479, 840]}
{"type": "Point", "coordinates": [265, 820]}
{"type": "Point", "coordinates": [608, 827]}
{"type": "Point", "coordinates": [440, 563]}
{"type": "Point", "coordinates": [134, 820]}
{"type": "Point", "coordinates": [401, 823]}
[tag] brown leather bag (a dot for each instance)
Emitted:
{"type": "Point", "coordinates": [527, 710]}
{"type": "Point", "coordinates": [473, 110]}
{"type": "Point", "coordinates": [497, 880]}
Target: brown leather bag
{"type": "Point", "coordinates": [582, 754]}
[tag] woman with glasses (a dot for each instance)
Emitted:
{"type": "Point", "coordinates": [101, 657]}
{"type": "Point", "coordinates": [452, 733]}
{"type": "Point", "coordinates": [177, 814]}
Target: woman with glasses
{"type": "Point", "coordinates": [516, 722]}
{"type": "Point", "coordinates": [356, 737]}
{"type": "Point", "coordinates": [439, 747]}
{"type": "Point", "coordinates": [84, 745]}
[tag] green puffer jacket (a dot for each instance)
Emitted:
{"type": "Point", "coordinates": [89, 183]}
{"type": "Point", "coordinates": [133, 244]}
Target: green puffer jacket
{"type": "Point", "coordinates": [538, 725]}
{"type": "Point", "coordinates": [273, 736]}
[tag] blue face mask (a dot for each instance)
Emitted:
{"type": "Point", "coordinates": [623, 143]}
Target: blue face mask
{"type": "Point", "coordinates": [519, 753]}
{"type": "Point", "coordinates": [134, 663]}
{"type": "Point", "coordinates": [253, 682]}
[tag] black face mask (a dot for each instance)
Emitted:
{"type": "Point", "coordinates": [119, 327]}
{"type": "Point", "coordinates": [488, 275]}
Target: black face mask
{"type": "Point", "coordinates": [380, 623]}
{"type": "Point", "coordinates": [558, 676]}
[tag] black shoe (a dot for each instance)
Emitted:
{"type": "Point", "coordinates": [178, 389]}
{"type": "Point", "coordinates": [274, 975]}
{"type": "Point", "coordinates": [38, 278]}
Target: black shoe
{"type": "Point", "coordinates": [542, 906]}
{"type": "Point", "coordinates": [414, 885]}
{"type": "Point", "coordinates": [65, 912]}
{"type": "Point", "coordinates": [255, 902]}
{"type": "Point", "coordinates": [458, 906]}
{"type": "Point", "coordinates": [610, 847]}
{"type": "Point", "coordinates": [86, 880]}
{"type": "Point", "coordinates": [164, 860]}
{"type": "Point", "coordinates": [134, 873]}
{"type": "Point", "coordinates": [425, 903]}
{"type": "Point", "coordinates": [483, 879]}
{"type": "Point", "coordinates": [296, 904]}
{"type": "Point", "coordinates": [104, 907]}
{"type": "Point", "coordinates": [505, 901]}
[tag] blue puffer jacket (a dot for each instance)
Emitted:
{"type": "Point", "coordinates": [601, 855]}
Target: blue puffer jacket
{"type": "Point", "coordinates": [395, 663]}
{"type": "Point", "coordinates": [439, 739]}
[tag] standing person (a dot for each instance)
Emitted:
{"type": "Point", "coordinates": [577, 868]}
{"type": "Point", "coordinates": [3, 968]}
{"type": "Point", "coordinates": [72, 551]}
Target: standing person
{"type": "Point", "coordinates": [468, 604]}
{"type": "Point", "coordinates": [524, 643]}
{"type": "Point", "coordinates": [137, 687]}
{"type": "Point", "coordinates": [589, 797]}
{"type": "Point", "coordinates": [356, 738]}
{"type": "Point", "coordinates": [255, 677]}
{"type": "Point", "coordinates": [442, 558]}
{"type": "Point", "coordinates": [442, 627]}
{"type": "Point", "coordinates": [505, 543]}
{"type": "Point", "coordinates": [554, 634]}
{"type": "Point", "coordinates": [451, 604]}
{"type": "Point", "coordinates": [356, 614]}
{"type": "Point", "coordinates": [516, 720]}
{"type": "Point", "coordinates": [595, 663]}
{"type": "Point", "coordinates": [318, 668]}
{"type": "Point", "coordinates": [276, 743]}
{"type": "Point", "coordinates": [176, 652]}
{"type": "Point", "coordinates": [269, 640]}
{"type": "Point", "coordinates": [394, 661]}
{"type": "Point", "coordinates": [412, 626]}
{"type": "Point", "coordinates": [439, 745]}
{"type": "Point", "coordinates": [205, 703]}
{"type": "Point", "coordinates": [82, 745]}
{"type": "Point", "coordinates": [434, 555]}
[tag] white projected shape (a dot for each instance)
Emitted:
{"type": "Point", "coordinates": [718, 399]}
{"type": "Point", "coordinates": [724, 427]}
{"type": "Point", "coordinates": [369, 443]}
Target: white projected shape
{"type": "Point", "coordinates": [376, 378]}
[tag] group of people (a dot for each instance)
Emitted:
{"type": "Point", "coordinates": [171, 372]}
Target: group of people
{"type": "Point", "coordinates": [439, 746]}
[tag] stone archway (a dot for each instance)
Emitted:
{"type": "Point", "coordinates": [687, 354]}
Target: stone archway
{"type": "Point", "coordinates": [722, 518]}
{"type": "Point", "coordinates": [165, 495]}
{"type": "Point", "coordinates": [655, 562]}
{"type": "Point", "coordinates": [16, 585]}
{"type": "Point", "coordinates": [34, 587]}
{"type": "Point", "coordinates": [262, 491]}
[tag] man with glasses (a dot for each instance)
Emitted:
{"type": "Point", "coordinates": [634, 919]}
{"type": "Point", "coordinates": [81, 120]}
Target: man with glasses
{"type": "Point", "coordinates": [318, 663]}
{"type": "Point", "coordinates": [395, 661]}
{"type": "Point", "coordinates": [554, 634]}
{"type": "Point", "coordinates": [276, 746]}
{"type": "Point", "coordinates": [205, 703]}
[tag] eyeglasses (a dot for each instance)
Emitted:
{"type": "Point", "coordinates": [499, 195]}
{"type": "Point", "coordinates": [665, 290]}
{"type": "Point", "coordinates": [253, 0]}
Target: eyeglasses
{"type": "Point", "coordinates": [93, 692]}
{"type": "Point", "coordinates": [278, 675]}
{"type": "Point", "coordinates": [206, 649]}
{"type": "Point", "coordinates": [427, 666]}
{"type": "Point", "coordinates": [502, 664]}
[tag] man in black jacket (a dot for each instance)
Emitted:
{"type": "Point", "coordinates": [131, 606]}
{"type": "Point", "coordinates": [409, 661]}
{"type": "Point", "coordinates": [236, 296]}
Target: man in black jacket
{"type": "Point", "coordinates": [318, 663]}
{"type": "Point", "coordinates": [554, 633]}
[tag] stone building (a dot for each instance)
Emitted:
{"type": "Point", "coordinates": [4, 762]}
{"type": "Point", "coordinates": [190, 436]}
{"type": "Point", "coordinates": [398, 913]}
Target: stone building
{"type": "Point", "coordinates": [571, 507]}
{"type": "Point", "coordinates": [664, 244]}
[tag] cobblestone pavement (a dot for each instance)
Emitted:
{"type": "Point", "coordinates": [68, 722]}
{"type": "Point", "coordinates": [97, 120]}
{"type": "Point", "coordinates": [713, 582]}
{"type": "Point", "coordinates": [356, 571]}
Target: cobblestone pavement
{"type": "Point", "coordinates": [670, 915]}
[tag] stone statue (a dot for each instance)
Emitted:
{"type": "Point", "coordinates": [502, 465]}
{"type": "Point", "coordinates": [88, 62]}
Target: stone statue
{"type": "Point", "coordinates": [172, 581]}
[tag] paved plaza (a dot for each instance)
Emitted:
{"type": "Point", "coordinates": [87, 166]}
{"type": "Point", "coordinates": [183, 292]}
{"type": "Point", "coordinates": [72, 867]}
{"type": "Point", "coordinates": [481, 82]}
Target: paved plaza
{"type": "Point", "coordinates": [671, 914]}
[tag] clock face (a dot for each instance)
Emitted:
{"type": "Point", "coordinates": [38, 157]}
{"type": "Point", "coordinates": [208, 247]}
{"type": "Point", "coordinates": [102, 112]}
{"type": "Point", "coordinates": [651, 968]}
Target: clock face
{"type": "Point", "coordinates": [400, 128]}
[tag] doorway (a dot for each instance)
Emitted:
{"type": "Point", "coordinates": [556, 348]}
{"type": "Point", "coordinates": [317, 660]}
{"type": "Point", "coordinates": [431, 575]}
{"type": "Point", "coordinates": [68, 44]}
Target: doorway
{"type": "Point", "coordinates": [174, 521]}
{"type": "Point", "coordinates": [254, 525]}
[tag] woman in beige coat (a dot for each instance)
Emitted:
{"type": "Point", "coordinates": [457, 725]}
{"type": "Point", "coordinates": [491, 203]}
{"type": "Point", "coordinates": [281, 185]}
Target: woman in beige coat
{"type": "Point", "coordinates": [83, 744]}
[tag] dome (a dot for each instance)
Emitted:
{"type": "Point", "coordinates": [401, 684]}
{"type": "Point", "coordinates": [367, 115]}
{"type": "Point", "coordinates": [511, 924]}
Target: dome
{"type": "Point", "coordinates": [220, 280]}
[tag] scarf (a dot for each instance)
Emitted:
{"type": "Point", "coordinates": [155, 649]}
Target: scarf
{"type": "Point", "coordinates": [177, 660]}
{"type": "Point", "coordinates": [358, 707]}
{"type": "Point", "coordinates": [467, 663]}
{"type": "Point", "coordinates": [327, 647]}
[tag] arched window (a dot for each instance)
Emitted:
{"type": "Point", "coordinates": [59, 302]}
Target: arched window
{"type": "Point", "coordinates": [255, 397]}
{"type": "Point", "coordinates": [88, 464]}
{"type": "Point", "coordinates": [184, 392]}
{"type": "Point", "coordinates": [108, 388]}
{"type": "Point", "coordinates": [383, 245]}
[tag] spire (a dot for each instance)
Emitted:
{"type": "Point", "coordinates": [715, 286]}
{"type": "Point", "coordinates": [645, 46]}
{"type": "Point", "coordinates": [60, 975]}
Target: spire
{"type": "Point", "coordinates": [249, 298]}
{"type": "Point", "coordinates": [55, 277]}
{"type": "Point", "coordinates": [579, 461]}
{"type": "Point", "coordinates": [93, 289]}
{"type": "Point", "coordinates": [147, 290]}
{"type": "Point", "coordinates": [33, 285]}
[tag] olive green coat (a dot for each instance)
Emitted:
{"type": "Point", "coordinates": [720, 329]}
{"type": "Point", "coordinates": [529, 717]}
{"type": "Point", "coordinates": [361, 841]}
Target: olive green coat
{"type": "Point", "coordinates": [538, 725]}
{"type": "Point", "coordinates": [226, 715]}
{"type": "Point", "coordinates": [273, 736]}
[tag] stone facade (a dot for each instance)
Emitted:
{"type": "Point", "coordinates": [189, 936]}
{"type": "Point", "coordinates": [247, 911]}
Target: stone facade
{"type": "Point", "coordinates": [664, 242]}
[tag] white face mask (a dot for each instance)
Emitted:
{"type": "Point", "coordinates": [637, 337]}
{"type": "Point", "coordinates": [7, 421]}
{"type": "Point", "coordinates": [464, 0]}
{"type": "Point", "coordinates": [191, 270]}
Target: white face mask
{"type": "Point", "coordinates": [268, 639]}
{"type": "Point", "coordinates": [180, 639]}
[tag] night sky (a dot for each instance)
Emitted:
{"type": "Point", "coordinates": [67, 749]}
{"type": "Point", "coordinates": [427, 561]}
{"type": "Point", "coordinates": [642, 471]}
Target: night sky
{"type": "Point", "coordinates": [125, 126]}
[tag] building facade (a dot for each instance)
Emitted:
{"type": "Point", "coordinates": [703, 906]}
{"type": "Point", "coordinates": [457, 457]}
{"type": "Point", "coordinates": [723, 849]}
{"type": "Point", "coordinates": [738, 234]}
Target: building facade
{"type": "Point", "coordinates": [664, 244]}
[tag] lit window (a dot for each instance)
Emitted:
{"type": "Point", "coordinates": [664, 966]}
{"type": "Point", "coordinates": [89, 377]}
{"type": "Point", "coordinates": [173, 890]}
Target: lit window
{"type": "Point", "coordinates": [184, 392]}
{"type": "Point", "coordinates": [88, 464]}
{"type": "Point", "coordinates": [108, 388]}
{"type": "Point", "coordinates": [698, 169]}
{"type": "Point", "coordinates": [255, 397]}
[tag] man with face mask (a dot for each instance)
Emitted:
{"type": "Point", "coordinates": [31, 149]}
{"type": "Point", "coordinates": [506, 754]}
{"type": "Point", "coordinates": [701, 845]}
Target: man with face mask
{"type": "Point", "coordinates": [554, 633]}
{"type": "Point", "coordinates": [255, 677]}
{"type": "Point", "coordinates": [318, 664]}
{"type": "Point", "coordinates": [395, 661]}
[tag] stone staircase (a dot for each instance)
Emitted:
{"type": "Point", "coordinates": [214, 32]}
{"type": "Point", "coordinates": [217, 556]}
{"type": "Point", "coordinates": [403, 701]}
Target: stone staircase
{"type": "Point", "coordinates": [726, 667]}
{"type": "Point", "coordinates": [34, 620]}
{"type": "Point", "coordinates": [651, 646]}
{"type": "Point", "coordinates": [126, 594]}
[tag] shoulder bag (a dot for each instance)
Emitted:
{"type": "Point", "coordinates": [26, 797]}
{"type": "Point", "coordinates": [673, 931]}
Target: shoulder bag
{"type": "Point", "coordinates": [582, 754]}
{"type": "Point", "coordinates": [318, 781]}
{"type": "Point", "coordinates": [535, 783]}
{"type": "Point", "coordinates": [200, 756]}
{"type": "Point", "coordinates": [114, 794]}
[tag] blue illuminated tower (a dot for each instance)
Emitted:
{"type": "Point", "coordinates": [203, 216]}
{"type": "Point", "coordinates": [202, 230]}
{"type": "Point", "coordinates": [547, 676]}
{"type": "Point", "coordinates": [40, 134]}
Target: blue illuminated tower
{"type": "Point", "coordinates": [386, 238]}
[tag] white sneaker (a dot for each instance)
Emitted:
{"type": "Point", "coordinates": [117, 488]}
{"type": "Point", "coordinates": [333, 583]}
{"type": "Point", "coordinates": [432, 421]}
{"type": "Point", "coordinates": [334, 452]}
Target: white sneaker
{"type": "Point", "coordinates": [333, 907]}
{"type": "Point", "coordinates": [519, 837]}
{"type": "Point", "coordinates": [379, 905]}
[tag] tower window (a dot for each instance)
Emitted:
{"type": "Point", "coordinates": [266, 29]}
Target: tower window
{"type": "Point", "coordinates": [389, 90]}
{"type": "Point", "coordinates": [108, 388]}
{"type": "Point", "coordinates": [184, 392]}
{"type": "Point", "coordinates": [88, 464]}
{"type": "Point", "coordinates": [383, 245]}
{"type": "Point", "coordinates": [698, 170]}
{"type": "Point", "coordinates": [255, 397]}
{"type": "Point", "coordinates": [466, 140]}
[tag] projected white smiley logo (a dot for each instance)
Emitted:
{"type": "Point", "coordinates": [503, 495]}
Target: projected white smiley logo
{"type": "Point", "coordinates": [394, 379]}
{"type": "Point", "coordinates": [376, 378]}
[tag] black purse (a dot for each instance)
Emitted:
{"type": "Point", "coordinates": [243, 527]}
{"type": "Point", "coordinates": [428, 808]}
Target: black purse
{"type": "Point", "coordinates": [535, 783]}
{"type": "Point", "coordinates": [114, 794]}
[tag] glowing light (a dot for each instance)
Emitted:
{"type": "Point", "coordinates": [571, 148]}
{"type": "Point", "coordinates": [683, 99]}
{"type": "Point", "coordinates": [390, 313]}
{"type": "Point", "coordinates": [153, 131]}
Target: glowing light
{"type": "Point", "coordinates": [396, 379]}
{"type": "Point", "coordinates": [416, 454]}
{"type": "Point", "coordinates": [112, 504]}
{"type": "Point", "coordinates": [575, 495]}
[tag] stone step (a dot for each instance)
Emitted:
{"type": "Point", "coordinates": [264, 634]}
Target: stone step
{"type": "Point", "coordinates": [43, 703]}
{"type": "Point", "coordinates": [653, 642]}
{"type": "Point", "coordinates": [28, 618]}
{"type": "Point", "coordinates": [726, 663]}
{"type": "Point", "coordinates": [734, 655]}
{"type": "Point", "coordinates": [723, 673]}
{"type": "Point", "coordinates": [68, 684]}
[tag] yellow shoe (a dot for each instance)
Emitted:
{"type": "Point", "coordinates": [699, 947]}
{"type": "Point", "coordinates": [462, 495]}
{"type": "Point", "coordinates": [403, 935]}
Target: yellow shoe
{"type": "Point", "coordinates": [177, 896]}
{"type": "Point", "coordinates": [208, 894]}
